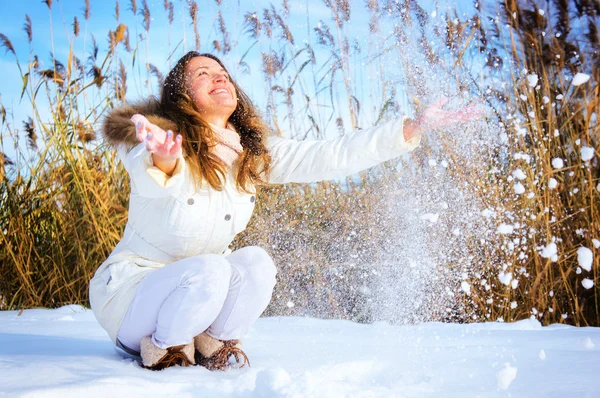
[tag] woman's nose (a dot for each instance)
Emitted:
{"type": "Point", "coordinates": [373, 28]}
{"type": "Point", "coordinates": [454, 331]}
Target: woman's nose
{"type": "Point", "coordinates": [220, 77]}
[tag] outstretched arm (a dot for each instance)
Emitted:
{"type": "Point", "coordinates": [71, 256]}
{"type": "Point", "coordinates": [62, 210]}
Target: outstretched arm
{"type": "Point", "coordinates": [311, 161]}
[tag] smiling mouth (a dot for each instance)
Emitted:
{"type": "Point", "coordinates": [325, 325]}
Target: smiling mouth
{"type": "Point", "coordinates": [219, 91]}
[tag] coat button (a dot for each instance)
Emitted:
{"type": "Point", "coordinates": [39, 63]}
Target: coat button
{"type": "Point", "coordinates": [227, 217]}
{"type": "Point", "coordinates": [190, 201]}
{"type": "Point", "coordinates": [252, 199]}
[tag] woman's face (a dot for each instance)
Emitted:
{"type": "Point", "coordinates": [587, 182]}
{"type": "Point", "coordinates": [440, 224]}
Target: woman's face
{"type": "Point", "coordinates": [211, 90]}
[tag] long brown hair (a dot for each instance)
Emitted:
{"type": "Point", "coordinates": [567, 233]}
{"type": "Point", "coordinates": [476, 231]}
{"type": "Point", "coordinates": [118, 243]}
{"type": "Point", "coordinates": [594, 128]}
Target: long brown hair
{"type": "Point", "coordinates": [198, 137]}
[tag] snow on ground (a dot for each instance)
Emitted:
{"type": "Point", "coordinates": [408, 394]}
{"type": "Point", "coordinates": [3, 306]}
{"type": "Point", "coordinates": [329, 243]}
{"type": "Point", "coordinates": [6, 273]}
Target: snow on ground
{"type": "Point", "coordinates": [65, 353]}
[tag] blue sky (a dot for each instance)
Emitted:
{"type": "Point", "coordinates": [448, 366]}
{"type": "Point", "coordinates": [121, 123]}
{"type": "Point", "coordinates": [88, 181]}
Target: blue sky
{"type": "Point", "coordinates": [163, 39]}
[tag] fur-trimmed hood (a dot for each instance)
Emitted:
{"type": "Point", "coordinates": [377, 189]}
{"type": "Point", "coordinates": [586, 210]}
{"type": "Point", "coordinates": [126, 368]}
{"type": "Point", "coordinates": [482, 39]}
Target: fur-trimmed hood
{"type": "Point", "coordinates": [118, 128]}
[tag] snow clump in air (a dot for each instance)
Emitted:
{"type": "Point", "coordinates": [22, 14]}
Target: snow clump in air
{"type": "Point", "coordinates": [465, 287]}
{"type": "Point", "coordinates": [585, 257]}
{"type": "Point", "coordinates": [505, 278]}
{"type": "Point", "coordinates": [431, 217]}
{"type": "Point", "coordinates": [519, 188]}
{"type": "Point", "coordinates": [506, 376]}
{"type": "Point", "coordinates": [587, 153]}
{"type": "Point", "coordinates": [587, 283]}
{"type": "Point", "coordinates": [550, 251]}
{"type": "Point", "coordinates": [580, 78]}
{"type": "Point", "coordinates": [552, 183]}
{"type": "Point", "coordinates": [558, 163]}
{"type": "Point", "coordinates": [518, 173]}
{"type": "Point", "coordinates": [532, 80]}
{"type": "Point", "coordinates": [596, 243]}
{"type": "Point", "coordinates": [505, 229]}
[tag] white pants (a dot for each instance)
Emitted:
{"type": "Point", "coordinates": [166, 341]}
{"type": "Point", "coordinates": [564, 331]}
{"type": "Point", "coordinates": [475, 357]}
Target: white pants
{"type": "Point", "coordinates": [223, 296]}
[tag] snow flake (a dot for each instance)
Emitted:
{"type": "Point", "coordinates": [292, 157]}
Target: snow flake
{"type": "Point", "coordinates": [532, 80]}
{"type": "Point", "coordinates": [596, 243]}
{"type": "Point", "coordinates": [505, 278]}
{"type": "Point", "coordinates": [513, 305]}
{"type": "Point", "coordinates": [514, 283]}
{"type": "Point", "coordinates": [585, 258]}
{"type": "Point", "coordinates": [579, 79]}
{"type": "Point", "coordinates": [586, 153]}
{"type": "Point", "coordinates": [587, 283]}
{"type": "Point", "coordinates": [545, 99]}
{"type": "Point", "coordinates": [550, 251]}
{"type": "Point", "coordinates": [487, 213]}
{"type": "Point", "coordinates": [588, 343]}
{"type": "Point", "coordinates": [505, 229]}
{"type": "Point", "coordinates": [523, 156]}
{"type": "Point", "coordinates": [560, 96]}
{"type": "Point", "coordinates": [518, 173]}
{"type": "Point", "coordinates": [465, 287]}
{"type": "Point", "coordinates": [552, 183]}
{"type": "Point", "coordinates": [431, 217]}
{"type": "Point", "coordinates": [290, 304]}
{"type": "Point", "coordinates": [519, 188]}
{"type": "Point", "coordinates": [558, 163]}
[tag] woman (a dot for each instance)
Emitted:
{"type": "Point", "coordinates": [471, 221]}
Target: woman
{"type": "Point", "coordinates": [172, 291]}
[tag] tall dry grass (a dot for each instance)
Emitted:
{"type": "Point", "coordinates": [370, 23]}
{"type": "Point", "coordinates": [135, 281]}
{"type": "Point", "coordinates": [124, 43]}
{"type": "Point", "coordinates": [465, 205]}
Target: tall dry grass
{"type": "Point", "coordinates": [547, 117]}
{"type": "Point", "coordinates": [338, 244]}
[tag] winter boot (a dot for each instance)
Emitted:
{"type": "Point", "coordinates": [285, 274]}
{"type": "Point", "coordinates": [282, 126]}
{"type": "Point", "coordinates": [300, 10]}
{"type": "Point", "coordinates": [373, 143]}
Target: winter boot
{"type": "Point", "coordinates": [156, 358]}
{"type": "Point", "coordinates": [214, 354]}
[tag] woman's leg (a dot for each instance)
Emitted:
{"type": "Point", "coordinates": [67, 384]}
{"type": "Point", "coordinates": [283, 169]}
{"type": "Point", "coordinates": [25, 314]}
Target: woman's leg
{"type": "Point", "coordinates": [250, 289]}
{"type": "Point", "coordinates": [177, 302]}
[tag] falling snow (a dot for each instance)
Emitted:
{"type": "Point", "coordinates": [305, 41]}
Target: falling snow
{"type": "Point", "coordinates": [580, 78]}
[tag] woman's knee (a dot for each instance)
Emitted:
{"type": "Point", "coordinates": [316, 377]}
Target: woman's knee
{"type": "Point", "coordinates": [255, 266]}
{"type": "Point", "coordinates": [207, 269]}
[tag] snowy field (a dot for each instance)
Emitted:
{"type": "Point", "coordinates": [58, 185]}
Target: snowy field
{"type": "Point", "coordinates": [65, 353]}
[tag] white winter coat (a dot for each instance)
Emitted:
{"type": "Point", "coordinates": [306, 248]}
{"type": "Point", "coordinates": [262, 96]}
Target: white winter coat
{"type": "Point", "coordinates": [170, 220]}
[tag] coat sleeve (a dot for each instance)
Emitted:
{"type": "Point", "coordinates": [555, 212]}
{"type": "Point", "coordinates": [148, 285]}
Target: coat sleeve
{"type": "Point", "coordinates": [311, 161]}
{"type": "Point", "coordinates": [148, 180]}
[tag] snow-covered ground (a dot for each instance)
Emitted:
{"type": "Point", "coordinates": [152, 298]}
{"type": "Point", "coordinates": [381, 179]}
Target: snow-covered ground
{"type": "Point", "coordinates": [65, 353]}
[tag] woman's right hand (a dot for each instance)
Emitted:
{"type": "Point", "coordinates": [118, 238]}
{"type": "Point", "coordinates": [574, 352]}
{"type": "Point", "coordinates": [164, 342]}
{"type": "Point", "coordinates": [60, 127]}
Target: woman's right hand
{"type": "Point", "coordinates": [160, 143]}
{"type": "Point", "coordinates": [164, 149]}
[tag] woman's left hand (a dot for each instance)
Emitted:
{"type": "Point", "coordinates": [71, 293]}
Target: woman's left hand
{"type": "Point", "coordinates": [434, 117]}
